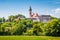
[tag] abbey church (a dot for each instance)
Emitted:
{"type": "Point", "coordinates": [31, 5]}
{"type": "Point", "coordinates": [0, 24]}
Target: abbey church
{"type": "Point", "coordinates": [36, 17]}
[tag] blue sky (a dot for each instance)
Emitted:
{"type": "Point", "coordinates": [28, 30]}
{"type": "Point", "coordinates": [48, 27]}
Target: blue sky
{"type": "Point", "coordinates": [42, 7]}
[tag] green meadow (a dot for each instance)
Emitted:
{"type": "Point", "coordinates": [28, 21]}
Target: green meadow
{"type": "Point", "coordinates": [29, 38]}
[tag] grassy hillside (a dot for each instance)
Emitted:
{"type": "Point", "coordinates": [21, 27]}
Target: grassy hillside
{"type": "Point", "coordinates": [28, 38]}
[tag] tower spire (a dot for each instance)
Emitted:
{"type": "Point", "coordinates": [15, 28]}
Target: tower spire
{"type": "Point", "coordinates": [30, 9]}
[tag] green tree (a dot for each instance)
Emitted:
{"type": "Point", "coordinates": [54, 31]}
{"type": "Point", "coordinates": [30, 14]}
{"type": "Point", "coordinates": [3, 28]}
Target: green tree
{"type": "Point", "coordinates": [52, 28]}
{"type": "Point", "coordinates": [36, 29]}
{"type": "Point", "coordinates": [19, 29]}
{"type": "Point", "coordinates": [3, 19]}
{"type": "Point", "coordinates": [6, 28]}
{"type": "Point", "coordinates": [11, 18]}
{"type": "Point", "coordinates": [19, 15]}
{"type": "Point", "coordinates": [0, 20]}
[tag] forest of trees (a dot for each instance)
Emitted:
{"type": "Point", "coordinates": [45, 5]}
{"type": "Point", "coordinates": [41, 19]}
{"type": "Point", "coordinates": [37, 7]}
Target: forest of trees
{"type": "Point", "coordinates": [28, 27]}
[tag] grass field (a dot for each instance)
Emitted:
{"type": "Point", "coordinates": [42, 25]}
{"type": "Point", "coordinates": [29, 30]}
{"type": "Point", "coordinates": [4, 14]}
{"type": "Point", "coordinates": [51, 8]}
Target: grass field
{"type": "Point", "coordinates": [28, 38]}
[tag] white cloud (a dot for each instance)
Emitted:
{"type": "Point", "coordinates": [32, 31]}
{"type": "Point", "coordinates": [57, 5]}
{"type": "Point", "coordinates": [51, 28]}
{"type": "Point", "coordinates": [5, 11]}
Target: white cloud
{"type": "Point", "coordinates": [55, 12]}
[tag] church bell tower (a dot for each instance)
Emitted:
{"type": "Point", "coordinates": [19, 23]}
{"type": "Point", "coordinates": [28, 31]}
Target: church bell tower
{"type": "Point", "coordinates": [30, 12]}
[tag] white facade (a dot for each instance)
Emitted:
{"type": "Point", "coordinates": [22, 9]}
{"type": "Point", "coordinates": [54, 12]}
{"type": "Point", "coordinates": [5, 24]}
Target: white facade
{"type": "Point", "coordinates": [42, 18]}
